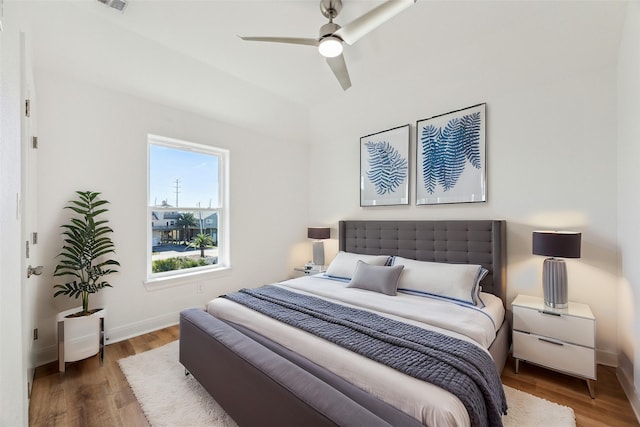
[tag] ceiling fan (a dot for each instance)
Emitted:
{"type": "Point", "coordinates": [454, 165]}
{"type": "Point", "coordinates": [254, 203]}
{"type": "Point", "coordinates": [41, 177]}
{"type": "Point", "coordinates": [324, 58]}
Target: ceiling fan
{"type": "Point", "coordinates": [332, 35]}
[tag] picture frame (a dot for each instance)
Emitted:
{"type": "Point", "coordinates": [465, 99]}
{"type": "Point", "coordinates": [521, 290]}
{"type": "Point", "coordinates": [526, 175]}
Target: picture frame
{"type": "Point", "coordinates": [451, 157]}
{"type": "Point", "coordinates": [384, 167]}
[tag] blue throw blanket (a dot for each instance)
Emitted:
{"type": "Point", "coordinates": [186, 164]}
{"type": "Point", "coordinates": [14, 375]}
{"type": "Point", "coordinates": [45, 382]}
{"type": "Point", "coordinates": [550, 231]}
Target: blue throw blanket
{"type": "Point", "coordinates": [457, 366]}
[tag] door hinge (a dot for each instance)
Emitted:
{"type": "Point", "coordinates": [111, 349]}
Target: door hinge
{"type": "Point", "coordinates": [34, 142]}
{"type": "Point", "coordinates": [34, 237]}
{"type": "Point", "coordinates": [27, 250]}
{"type": "Point", "coordinates": [27, 108]}
{"type": "Point", "coordinates": [35, 334]}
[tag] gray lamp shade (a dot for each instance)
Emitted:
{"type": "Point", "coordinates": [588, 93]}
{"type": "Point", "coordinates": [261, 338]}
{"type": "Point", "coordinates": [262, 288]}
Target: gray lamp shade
{"type": "Point", "coordinates": [318, 233]}
{"type": "Point", "coordinates": [563, 244]}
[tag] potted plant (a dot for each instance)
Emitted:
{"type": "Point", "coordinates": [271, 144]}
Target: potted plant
{"type": "Point", "coordinates": [85, 261]}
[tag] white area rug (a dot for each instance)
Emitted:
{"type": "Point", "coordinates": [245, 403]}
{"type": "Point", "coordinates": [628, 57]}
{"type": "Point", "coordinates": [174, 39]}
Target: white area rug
{"type": "Point", "coordinates": [169, 398]}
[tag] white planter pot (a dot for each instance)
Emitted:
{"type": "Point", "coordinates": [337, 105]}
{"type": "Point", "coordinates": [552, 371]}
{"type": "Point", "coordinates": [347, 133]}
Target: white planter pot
{"type": "Point", "coordinates": [79, 337]}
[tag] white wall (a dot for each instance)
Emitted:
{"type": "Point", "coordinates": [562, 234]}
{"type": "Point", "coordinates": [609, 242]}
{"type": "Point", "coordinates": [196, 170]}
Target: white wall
{"type": "Point", "coordinates": [72, 32]}
{"type": "Point", "coordinates": [551, 158]}
{"type": "Point", "coordinates": [629, 205]}
{"type": "Point", "coordinates": [95, 138]}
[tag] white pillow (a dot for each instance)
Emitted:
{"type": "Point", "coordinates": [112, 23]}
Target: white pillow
{"type": "Point", "coordinates": [344, 264]}
{"type": "Point", "coordinates": [376, 278]}
{"type": "Point", "coordinates": [459, 282]}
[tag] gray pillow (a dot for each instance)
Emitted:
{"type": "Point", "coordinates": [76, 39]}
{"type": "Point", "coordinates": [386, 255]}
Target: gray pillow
{"type": "Point", "coordinates": [376, 278]}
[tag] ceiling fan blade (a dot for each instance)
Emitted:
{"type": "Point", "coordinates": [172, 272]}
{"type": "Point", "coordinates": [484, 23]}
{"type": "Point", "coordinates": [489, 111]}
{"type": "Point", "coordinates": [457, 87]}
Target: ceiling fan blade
{"type": "Point", "coordinates": [289, 40]}
{"type": "Point", "coordinates": [356, 29]}
{"type": "Point", "coordinates": [339, 68]}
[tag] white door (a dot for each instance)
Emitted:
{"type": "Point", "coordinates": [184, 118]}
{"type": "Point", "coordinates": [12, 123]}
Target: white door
{"type": "Point", "coordinates": [31, 266]}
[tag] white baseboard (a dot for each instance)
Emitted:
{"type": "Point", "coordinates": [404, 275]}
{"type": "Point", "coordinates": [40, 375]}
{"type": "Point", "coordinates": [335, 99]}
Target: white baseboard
{"type": "Point", "coordinates": [626, 382]}
{"type": "Point", "coordinates": [49, 354]}
{"type": "Point", "coordinates": [131, 330]}
{"type": "Point", "coordinates": [44, 355]}
{"type": "Point", "coordinates": [607, 358]}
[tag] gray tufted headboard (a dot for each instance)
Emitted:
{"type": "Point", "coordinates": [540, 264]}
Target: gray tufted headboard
{"type": "Point", "coordinates": [464, 242]}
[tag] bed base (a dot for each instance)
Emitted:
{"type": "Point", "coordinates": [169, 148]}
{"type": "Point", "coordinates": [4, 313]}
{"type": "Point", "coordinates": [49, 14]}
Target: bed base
{"type": "Point", "coordinates": [260, 383]}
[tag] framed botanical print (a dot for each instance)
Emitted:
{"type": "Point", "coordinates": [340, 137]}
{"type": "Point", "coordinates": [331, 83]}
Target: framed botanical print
{"type": "Point", "coordinates": [450, 157]}
{"type": "Point", "coordinates": [384, 168]}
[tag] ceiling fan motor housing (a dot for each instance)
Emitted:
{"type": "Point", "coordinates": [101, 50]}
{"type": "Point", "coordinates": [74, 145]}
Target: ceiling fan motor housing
{"type": "Point", "coordinates": [328, 29]}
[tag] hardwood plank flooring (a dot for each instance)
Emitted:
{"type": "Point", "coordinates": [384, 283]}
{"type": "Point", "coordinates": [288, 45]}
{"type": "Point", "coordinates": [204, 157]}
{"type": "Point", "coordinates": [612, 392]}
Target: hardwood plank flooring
{"type": "Point", "coordinates": [90, 395]}
{"type": "Point", "coordinates": [610, 407]}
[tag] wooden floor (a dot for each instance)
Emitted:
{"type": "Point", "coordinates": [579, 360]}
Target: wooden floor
{"type": "Point", "coordinates": [610, 407]}
{"type": "Point", "coordinates": [89, 395]}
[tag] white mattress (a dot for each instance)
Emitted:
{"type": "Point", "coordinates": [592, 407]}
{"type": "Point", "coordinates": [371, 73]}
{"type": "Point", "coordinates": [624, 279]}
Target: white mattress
{"type": "Point", "coordinates": [424, 401]}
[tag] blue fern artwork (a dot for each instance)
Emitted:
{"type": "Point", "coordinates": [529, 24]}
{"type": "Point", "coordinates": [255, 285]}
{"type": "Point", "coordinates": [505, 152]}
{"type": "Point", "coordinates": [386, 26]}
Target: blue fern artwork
{"type": "Point", "coordinates": [446, 151]}
{"type": "Point", "coordinates": [388, 169]}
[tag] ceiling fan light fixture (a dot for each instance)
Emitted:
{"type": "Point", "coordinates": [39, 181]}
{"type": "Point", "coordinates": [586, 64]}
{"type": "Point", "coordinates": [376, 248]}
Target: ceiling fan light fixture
{"type": "Point", "coordinates": [330, 47]}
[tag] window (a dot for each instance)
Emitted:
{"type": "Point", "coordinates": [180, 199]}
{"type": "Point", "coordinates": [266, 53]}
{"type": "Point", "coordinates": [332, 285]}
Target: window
{"type": "Point", "coordinates": [187, 208]}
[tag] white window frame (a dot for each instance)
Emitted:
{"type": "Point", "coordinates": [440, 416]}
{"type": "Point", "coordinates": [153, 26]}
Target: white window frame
{"type": "Point", "coordinates": [190, 275]}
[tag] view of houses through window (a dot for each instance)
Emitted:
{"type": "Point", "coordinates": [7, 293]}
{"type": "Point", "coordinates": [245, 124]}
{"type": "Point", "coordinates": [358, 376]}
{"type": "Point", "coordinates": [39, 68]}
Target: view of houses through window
{"type": "Point", "coordinates": [185, 194]}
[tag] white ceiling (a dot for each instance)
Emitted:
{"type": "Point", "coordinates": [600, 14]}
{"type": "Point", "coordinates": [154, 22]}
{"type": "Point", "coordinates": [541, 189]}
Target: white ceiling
{"type": "Point", "coordinates": [187, 53]}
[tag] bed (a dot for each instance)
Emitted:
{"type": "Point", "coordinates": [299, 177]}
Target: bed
{"type": "Point", "coordinates": [264, 371]}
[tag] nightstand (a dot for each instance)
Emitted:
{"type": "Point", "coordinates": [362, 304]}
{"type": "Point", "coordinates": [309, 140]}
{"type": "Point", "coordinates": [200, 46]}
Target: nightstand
{"type": "Point", "coordinates": [559, 339]}
{"type": "Point", "coordinates": [302, 271]}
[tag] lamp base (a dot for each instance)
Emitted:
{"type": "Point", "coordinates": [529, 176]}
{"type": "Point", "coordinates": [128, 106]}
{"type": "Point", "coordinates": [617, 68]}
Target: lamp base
{"type": "Point", "coordinates": [554, 283]}
{"type": "Point", "coordinates": [318, 252]}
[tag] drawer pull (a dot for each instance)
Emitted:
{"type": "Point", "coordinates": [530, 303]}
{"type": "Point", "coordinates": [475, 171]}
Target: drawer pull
{"type": "Point", "coordinates": [550, 341]}
{"type": "Point", "coordinates": [550, 313]}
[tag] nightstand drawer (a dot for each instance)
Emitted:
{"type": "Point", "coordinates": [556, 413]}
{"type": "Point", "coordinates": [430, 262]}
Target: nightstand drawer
{"type": "Point", "coordinates": [571, 329]}
{"type": "Point", "coordinates": [569, 358]}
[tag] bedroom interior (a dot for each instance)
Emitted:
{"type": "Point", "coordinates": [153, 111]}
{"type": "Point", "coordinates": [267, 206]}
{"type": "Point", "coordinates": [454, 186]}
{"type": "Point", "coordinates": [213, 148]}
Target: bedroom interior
{"type": "Point", "coordinates": [556, 77]}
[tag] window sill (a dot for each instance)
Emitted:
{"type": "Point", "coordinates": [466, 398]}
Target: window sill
{"type": "Point", "coordinates": [184, 278]}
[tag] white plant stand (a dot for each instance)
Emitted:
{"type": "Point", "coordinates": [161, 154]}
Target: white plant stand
{"type": "Point", "coordinates": [80, 337]}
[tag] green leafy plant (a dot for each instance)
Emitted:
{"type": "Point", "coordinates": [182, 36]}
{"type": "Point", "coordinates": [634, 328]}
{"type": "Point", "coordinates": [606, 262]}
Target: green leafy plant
{"type": "Point", "coordinates": [202, 241]}
{"type": "Point", "coordinates": [85, 249]}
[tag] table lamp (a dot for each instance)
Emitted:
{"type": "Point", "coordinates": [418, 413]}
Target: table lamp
{"type": "Point", "coordinates": [318, 234]}
{"type": "Point", "coordinates": [563, 244]}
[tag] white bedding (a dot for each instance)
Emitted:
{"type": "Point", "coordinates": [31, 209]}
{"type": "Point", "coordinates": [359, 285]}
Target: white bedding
{"type": "Point", "coordinates": [480, 325]}
{"type": "Point", "coordinates": [424, 401]}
